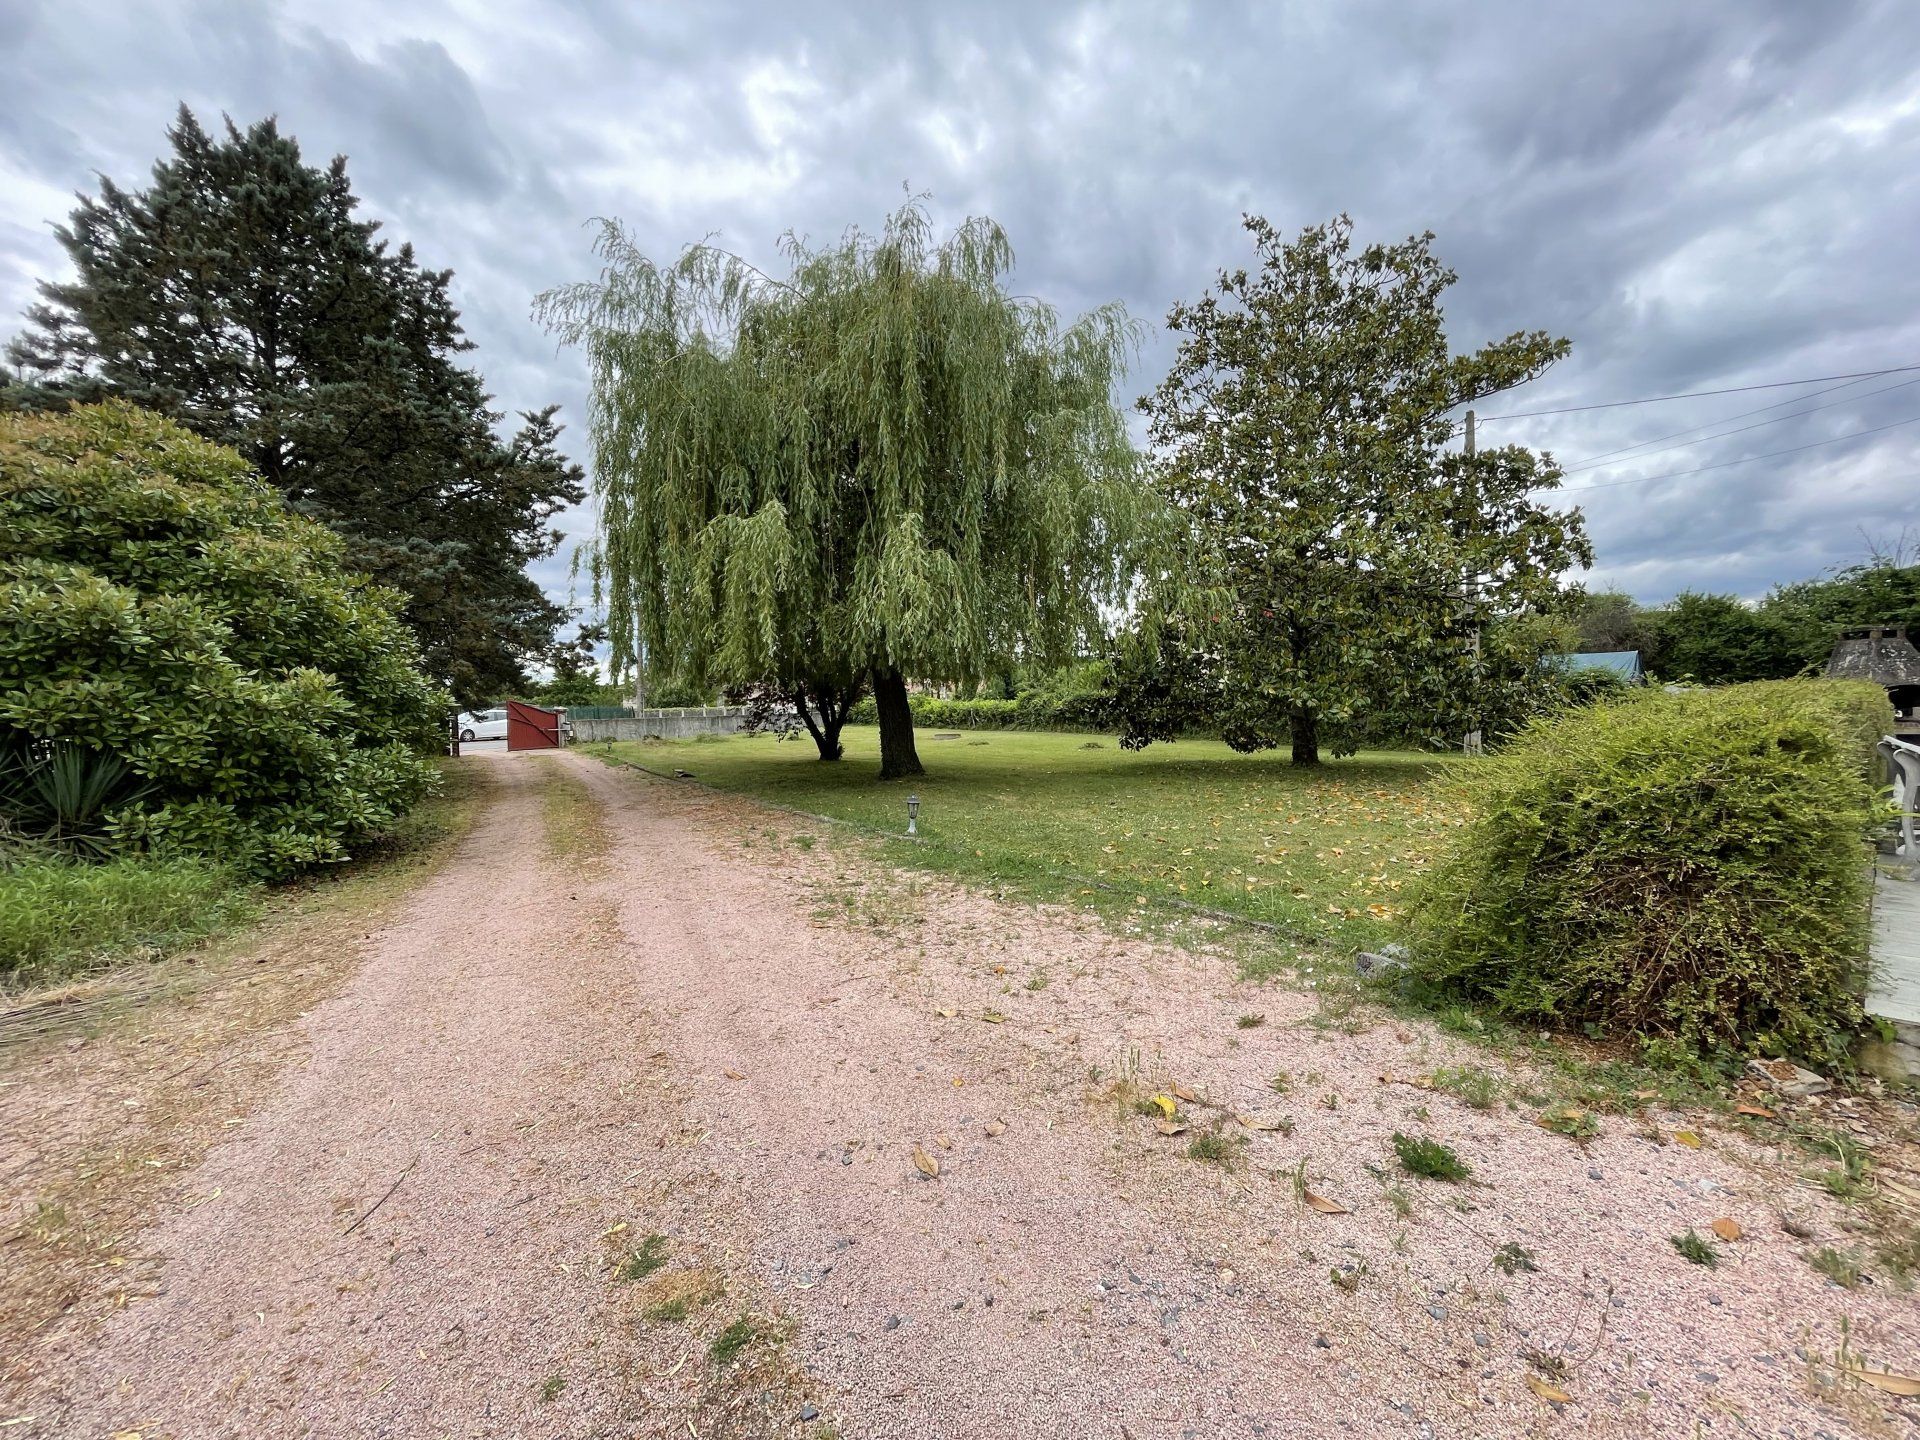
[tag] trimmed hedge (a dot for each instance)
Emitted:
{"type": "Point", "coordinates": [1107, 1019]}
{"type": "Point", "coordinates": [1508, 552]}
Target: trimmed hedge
{"type": "Point", "coordinates": [1686, 866]}
{"type": "Point", "coordinates": [1034, 712]}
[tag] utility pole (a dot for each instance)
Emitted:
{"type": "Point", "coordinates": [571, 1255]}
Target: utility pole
{"type": "Point", "coordinates": [1472, 745]}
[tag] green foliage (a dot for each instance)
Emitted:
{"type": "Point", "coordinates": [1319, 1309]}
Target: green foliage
{"type": "Point", "coordinates": [1689, 866]}
{"type": "Point", "coordinates": [646, 1258]}
{"type": "Point", "coordinates": [239, 295]}
{"type": "Point", "coordinates": [160, 607]}
{"type": "Point", "coordinates": [58, 917]}
{"type": "Point", "coordinates": [1315, 590]}
{"type": "Point", "coordinates": [1470, 1084]}
{"type": "Point", "coordinates": [1695, 1248]}
{"type": "Point", "coordinates": [1717, 640]}
{"type": "Point", "coordinates": [733, 1341]}
{"type": "Point", "coordinates": [880, 462]}
{"type": "Point", "coordinates": [63, 796]}
{"type": "Point", "coordinates": [1844, 1268]}
{"type": "Point", "coordinates": [1429, 1159]}
{"type": "Point", "coordinates": [1513, 1258]}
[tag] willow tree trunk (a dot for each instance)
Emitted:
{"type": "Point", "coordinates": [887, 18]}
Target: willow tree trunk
{"type": "Point", "coordinates": [1306, 737]}
{"type": "Point", "coordinates": [898, 758]}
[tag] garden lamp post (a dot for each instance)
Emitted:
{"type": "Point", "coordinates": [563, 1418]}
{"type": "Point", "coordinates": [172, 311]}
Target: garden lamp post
{"type": "Point", "coordinates": [913, 814]}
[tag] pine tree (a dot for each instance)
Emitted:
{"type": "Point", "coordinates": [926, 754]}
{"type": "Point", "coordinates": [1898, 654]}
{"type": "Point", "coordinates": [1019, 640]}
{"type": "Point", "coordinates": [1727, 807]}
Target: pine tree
{"type": "Point", "coordinates": [239, 294]}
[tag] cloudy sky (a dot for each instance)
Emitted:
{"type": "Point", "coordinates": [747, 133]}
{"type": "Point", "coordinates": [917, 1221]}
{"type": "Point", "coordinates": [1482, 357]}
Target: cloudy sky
{"type": "Point", "coordinates": [1700, 196]}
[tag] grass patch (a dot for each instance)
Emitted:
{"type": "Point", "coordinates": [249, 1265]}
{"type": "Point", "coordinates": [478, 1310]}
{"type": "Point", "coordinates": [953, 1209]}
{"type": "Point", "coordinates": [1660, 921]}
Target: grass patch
{"type": "Point", "coordinates": [551, 1387]}
{"type": "Point", "coordinates": [1213, 1149]}
{"type": "Point", "coordinates": [1470, 1084]}
{"type": "Point", "coordinates": [1430, 1159]}
{"type": "Point", "coordinates": [1692, 1247]}
{"type": "Point", "coordinates": [1320, 851]}
{"type": "Point", "coordinates": [1250, 1022]}
{"type": "Point", "coordinates": [60, 918]}
{"type": "Point", "coordinates": [1843, 1267]}
{"type": "Point", "coordinates": [644, 1259]}
{"type": "Point", "coordinates": [733, 1341]}
{"type": "Point", "coordinates": [1847, 1179]}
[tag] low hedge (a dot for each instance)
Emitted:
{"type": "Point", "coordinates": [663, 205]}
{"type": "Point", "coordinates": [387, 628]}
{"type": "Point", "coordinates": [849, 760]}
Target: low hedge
{"type": "Point", "coordinates": [1686, 866]}
{"type": "Point", "coordinates": [1073, 712]}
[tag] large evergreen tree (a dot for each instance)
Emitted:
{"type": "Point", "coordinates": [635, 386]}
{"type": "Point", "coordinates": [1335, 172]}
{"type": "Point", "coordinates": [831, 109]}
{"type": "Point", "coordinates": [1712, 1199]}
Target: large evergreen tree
{"type": "Point", "coordinates": [1341, 575]}
{"type": "Point", "coordinates": [239, 294]}
{"type": "Point", "coordinates": [880, 465]}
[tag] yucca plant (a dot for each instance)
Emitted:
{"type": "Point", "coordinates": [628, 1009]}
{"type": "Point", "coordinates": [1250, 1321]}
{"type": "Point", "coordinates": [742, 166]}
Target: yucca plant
{"type": "Point", "coordinates": [62, 794]}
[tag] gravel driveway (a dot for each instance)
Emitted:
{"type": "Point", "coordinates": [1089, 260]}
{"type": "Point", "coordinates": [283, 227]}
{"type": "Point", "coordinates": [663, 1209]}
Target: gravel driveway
{"type": "Point", "coordinates": [702, 1029]}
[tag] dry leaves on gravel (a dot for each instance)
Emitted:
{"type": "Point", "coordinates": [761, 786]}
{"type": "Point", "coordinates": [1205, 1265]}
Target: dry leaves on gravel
{"type": "Point", "coordinates": [925, 1163]}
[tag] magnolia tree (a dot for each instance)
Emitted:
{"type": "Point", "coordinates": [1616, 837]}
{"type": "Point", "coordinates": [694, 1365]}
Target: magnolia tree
{"type": "Point", "coordinates": [1336, 562]}
{"type": "Point", "coordinates": [879, 465]}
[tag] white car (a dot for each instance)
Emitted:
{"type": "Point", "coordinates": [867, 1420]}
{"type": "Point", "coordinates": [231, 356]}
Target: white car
{"type": "Point", "coordinates": [483, 724]}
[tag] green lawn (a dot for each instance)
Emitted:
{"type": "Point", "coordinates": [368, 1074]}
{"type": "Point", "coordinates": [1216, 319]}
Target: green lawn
{"type": "Point", "coordinates": [1326, 852]}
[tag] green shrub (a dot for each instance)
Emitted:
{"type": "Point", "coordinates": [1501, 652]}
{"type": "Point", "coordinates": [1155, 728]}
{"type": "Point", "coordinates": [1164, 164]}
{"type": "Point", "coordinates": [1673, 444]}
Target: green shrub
{"type": "Point", "coordinates": [60, 916]}
{"type": "Point", "coordinates": [1689, 866]}
{"type": "Point", "coordinates": [162, 605]}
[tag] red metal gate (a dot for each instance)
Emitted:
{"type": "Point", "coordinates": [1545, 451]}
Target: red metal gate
{"type": "Point", "coordinates": [531, 728]}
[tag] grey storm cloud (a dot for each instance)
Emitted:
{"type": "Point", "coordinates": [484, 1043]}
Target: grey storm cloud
{"type": "Point", "coordinates": [1700, 197]}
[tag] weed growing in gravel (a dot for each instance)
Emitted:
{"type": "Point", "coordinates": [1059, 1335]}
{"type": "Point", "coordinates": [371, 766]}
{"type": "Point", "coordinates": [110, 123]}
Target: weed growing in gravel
{"type": "Point", "coordinates": [1348, 1280]}
{"type": "Point", "coordinates": [668, 1312]}
{"type": "Point", "coordinates": [1570, 1121]}
{"type": "Point", "coordinates": [551, 1387]}
{"type": "Point", "coordinates": [1281, 1083]}
{"type": "Point", "coordinates": [1039, 980]}
{"type": "Point", "coordinates": [1213, 1148]}
{"type": "Point", "coordinates": [1848, 1179]}
{"type": "Point", "coordinates": [1401, 1201]}
{"type": "Point", "coordinates": [1901, 1258]}
{"type": "Point", "coordinates": [1512, 1258]}
{"type": "Point", "coordinates": [1842, 1267]}
{"type": "Point", "coordinates": [804, 842]}
{"type": "Point", "coordinates": [1699, 1251]}
{"type": "Point", "coordinates": [645, 1258]}
{"type": "Point", "coordinates": [1251, 1021]}
{"type": "Point", "coordinates": [1430, 1159]}
{"type": "Point", "coordinates": [1469, 1084]}
{"type": "Point", "coordinates": [733, 1340]}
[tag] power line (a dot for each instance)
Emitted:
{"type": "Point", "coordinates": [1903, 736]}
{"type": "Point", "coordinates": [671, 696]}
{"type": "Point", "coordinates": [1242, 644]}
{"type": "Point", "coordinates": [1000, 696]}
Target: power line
{"type": "Point", "coordinates": [1700, 394]}
{"type": "Point", "coordinates": [1706, 425]}
{"type": "Point", "coordinates": [1590, 464]}
{"type": "Point", "coordinates": [1743, 460]}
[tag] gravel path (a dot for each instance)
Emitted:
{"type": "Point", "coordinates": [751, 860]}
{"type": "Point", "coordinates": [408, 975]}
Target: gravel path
{"type": "Point", "coordinates": [713, 1034]}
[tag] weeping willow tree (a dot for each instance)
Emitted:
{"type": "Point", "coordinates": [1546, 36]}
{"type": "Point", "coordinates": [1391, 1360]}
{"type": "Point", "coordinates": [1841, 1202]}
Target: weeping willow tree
{"type": "Point", "coordinates": [882, 466]}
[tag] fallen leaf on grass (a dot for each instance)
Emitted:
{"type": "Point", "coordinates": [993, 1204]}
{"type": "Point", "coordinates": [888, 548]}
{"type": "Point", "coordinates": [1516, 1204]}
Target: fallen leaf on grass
{"type": "Point", "coordinates": [1687, 1138]}
{"type": "Point", "coordinates": [1547, 1390]}
{"type": "Point", "coordinates": [1760, 1111]}
{"type": "Point", "coordinates": [1170, 1127]}
{"type": "Point", "coordinates": [1167, 1107]}
{"type": "Point", "coordinates": [995, 1127]}
{"type": "Point", "coordinates": [1885, 1380]}
{"type": "Point", "coordinates": [1727, 1229]}
{"type": "Point", "coordinates": [925, 1163]}
{"type": "Point", "coordinates": [1324, 1205]}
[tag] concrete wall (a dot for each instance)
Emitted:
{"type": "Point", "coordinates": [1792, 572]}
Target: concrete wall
{"type": "Point", "coordinates": [664, 724]}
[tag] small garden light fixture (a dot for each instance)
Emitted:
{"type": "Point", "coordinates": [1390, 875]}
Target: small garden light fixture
{"type": "Point", "coordinates": [913, 814]}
